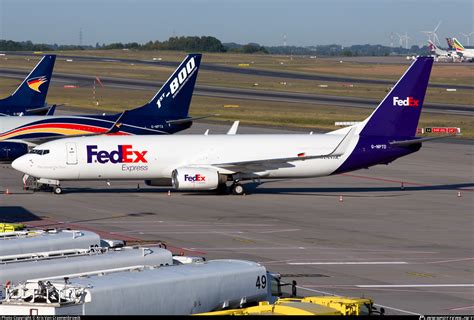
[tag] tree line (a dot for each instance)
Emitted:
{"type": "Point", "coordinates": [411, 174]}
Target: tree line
{"type": "Point", "coordinates": [212, 44]}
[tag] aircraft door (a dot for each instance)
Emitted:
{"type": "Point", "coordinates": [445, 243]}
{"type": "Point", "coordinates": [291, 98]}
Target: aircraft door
{"type": "Point", "coordinates": [71, 153]}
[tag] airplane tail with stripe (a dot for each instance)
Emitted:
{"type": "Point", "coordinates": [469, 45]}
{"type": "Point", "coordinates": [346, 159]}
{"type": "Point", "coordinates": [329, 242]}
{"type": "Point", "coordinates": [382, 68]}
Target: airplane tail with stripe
{"type": "Point", "coordinates": [31, 94]}
{"type": "Point", "coordinates": [173, 99]}
{"type": "Point", "coordinates": [457, 45]}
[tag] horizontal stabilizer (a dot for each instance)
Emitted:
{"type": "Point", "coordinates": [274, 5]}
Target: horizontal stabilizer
{"type": "Point", "coordinates": [185, 120]}
{"type": "Point", "coordinates": [419, 140]}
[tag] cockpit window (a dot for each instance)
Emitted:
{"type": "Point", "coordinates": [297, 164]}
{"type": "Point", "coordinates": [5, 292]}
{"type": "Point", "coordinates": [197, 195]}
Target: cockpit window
{"type": "Point", "coordinates": [39, 151]}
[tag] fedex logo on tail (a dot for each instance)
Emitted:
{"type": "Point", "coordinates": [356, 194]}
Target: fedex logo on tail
{"type": "Point", "coordinates": [123, 154]}
{"type": "Point", "coordinates": [195, 178]}
{"type": "Point", "coordinates": [408, 102]}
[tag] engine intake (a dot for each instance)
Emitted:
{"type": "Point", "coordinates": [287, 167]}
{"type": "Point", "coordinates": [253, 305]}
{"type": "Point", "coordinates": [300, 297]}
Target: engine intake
{"type": "Point", "coordinates": [190, 178]}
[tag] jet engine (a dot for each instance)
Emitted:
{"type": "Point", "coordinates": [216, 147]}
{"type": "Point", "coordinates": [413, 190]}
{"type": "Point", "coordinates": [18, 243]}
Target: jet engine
{"type": "Point", "coordinates": [194, 178]}
{"type": "Point", "coordinates": [9, 151]}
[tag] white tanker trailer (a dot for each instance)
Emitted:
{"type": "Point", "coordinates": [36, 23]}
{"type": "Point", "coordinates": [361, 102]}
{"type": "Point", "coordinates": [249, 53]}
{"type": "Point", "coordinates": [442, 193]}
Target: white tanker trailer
{"type": "Point", "coordinates": [173, 290]}
{"type": "Point", "coordinates": [39, 241]}
{"type": "Point", "coordinates": [16, 268]}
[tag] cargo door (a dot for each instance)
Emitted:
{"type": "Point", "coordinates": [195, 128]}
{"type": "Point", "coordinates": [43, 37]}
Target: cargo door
{"type": "Point", "coordinates": [71, 153]}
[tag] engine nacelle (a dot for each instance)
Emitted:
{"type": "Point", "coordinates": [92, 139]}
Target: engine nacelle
{"type": "Point", "coordinates": [189, 178]}
{"type": "Point", "coordinates": [9, 151]}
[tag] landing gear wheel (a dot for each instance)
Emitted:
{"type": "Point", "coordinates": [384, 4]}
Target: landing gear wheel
{"type": "Point", "coordinates": [57, 190]}
{"type": "Point", "coordinates": [238, 189]}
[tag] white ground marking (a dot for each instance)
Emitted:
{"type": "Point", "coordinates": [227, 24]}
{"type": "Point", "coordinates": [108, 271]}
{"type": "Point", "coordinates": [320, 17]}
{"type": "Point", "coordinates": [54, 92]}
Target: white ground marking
{"type": "Point", "coordinates": [414, 285]}
{"type": "Point", "coordinates": [462, 308]}
{"type": "Point", "coordinates": [346, 262]}
{"type": "Point", "coordinates": [452, 260]}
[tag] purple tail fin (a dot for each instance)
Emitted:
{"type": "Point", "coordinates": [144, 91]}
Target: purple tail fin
{"type": "Point", "coordinates": [398, 113]}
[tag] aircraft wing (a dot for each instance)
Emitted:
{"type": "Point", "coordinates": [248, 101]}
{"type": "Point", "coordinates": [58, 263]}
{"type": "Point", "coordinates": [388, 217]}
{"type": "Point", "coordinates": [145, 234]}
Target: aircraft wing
{"type": "Point", "coordinates": [276, 163]}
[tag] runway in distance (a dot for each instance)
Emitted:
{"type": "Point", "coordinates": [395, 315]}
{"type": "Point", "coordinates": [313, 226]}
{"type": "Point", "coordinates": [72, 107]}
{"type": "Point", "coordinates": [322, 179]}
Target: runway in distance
{"type": "Point", "coordinates": [208, 162]}
{"type": "Point", "coordinates": [30, 96]}
{"type": "Point", "coordinates": [165, 113]}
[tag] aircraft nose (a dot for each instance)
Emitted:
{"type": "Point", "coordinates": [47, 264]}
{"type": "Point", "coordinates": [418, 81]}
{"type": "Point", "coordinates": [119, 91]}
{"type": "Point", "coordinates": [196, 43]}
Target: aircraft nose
{"type": "Point", "coordinates": [21, 164]}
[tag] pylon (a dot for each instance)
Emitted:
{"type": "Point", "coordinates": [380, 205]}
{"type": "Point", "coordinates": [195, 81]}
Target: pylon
{"type": "Point", "coordinates": [7, 192]}
{"type": "Point", "coordinates": [459, 194]}
{"type": "Point", "coordinates": [169, 192]}
{"type": "Point", "coordinates": [341, 199]}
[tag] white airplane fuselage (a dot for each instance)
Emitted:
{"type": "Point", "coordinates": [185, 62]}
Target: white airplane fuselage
{"type": "Point", "coordinates": [153, 157]}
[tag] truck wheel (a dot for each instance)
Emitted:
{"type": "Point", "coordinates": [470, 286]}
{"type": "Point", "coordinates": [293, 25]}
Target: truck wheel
{"type": "Point", "coordinates": [57, 190]}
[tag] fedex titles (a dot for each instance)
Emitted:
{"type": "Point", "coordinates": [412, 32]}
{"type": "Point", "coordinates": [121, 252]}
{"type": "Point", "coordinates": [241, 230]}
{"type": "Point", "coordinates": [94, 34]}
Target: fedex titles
{"type": "Point", "coordinates": [124, 154]}
{"type": "Point", "coordinates": [408, 102]}
{"type": "Point", "coordinates": [195, 178]}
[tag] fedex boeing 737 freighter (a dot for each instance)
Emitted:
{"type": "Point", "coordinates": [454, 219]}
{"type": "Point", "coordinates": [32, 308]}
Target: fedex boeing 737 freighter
{"type": "Point", "coordinates": [209, 162]}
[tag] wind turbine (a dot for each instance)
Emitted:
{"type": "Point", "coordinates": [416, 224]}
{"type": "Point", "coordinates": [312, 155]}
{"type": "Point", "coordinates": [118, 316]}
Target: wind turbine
{"type": "Point", "coordinates": [468, 37]}
{"type": "Point", "coordinates": [400, 39]}
{"type": "Point", "coordinates": [403, 37]}
{"type": "Point", "coordinates": [432, 34]}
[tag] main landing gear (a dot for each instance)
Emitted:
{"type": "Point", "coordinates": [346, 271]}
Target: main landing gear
{"type": "Point", "coordinates": [237, 189]}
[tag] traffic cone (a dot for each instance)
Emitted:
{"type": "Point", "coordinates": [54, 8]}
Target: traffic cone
{"type": "Point", "coordinates": [459, 194]}
{"type": "Point", "coordinates": [7, 192]}
{"type": "Point", "coordinates": [341, 199]}
{"type": "Point", "coordinates": [169, 193]}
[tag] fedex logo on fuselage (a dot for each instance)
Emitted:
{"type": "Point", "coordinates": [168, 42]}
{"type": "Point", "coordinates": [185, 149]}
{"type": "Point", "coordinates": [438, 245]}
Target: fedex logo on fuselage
{"type": "Point", "coordinates": [195, 178]}
{"type": "Point", "coordinates": [123, 154]}
{"type": "Point", "coordinates": [408, 102]}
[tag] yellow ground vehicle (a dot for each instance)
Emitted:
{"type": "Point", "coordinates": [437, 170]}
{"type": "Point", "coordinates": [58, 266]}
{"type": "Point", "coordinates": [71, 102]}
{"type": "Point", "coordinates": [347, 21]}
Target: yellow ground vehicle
{"type": "Point", "coordinates": [321, 305]}
{"type": "Point", "coordinates": [11, 227]}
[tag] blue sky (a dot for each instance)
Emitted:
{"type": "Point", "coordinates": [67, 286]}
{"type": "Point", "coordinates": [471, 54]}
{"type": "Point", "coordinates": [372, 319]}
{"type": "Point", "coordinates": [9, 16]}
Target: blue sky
{"type": "Point", "coordinates": [305, 22]}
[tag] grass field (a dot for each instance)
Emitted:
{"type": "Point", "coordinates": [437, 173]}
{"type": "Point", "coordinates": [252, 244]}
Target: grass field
{"type": "Point", "coordinates": [224, 79]}
{"type": "Point", "coordinates": [442, 73]}
{"type": "Point", "coordinates": [252, 112]}
{"type": "Point", "coordinates": [248, 112]}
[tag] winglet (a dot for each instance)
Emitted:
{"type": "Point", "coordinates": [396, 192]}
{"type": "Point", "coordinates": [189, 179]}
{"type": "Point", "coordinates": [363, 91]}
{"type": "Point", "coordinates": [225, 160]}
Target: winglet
{"type": "Point", "coordinates": [117, 124]}
{"type": "Point", "coordinates": [51, 110]}
{"type": "Point", "coordinates": [233, 128]}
